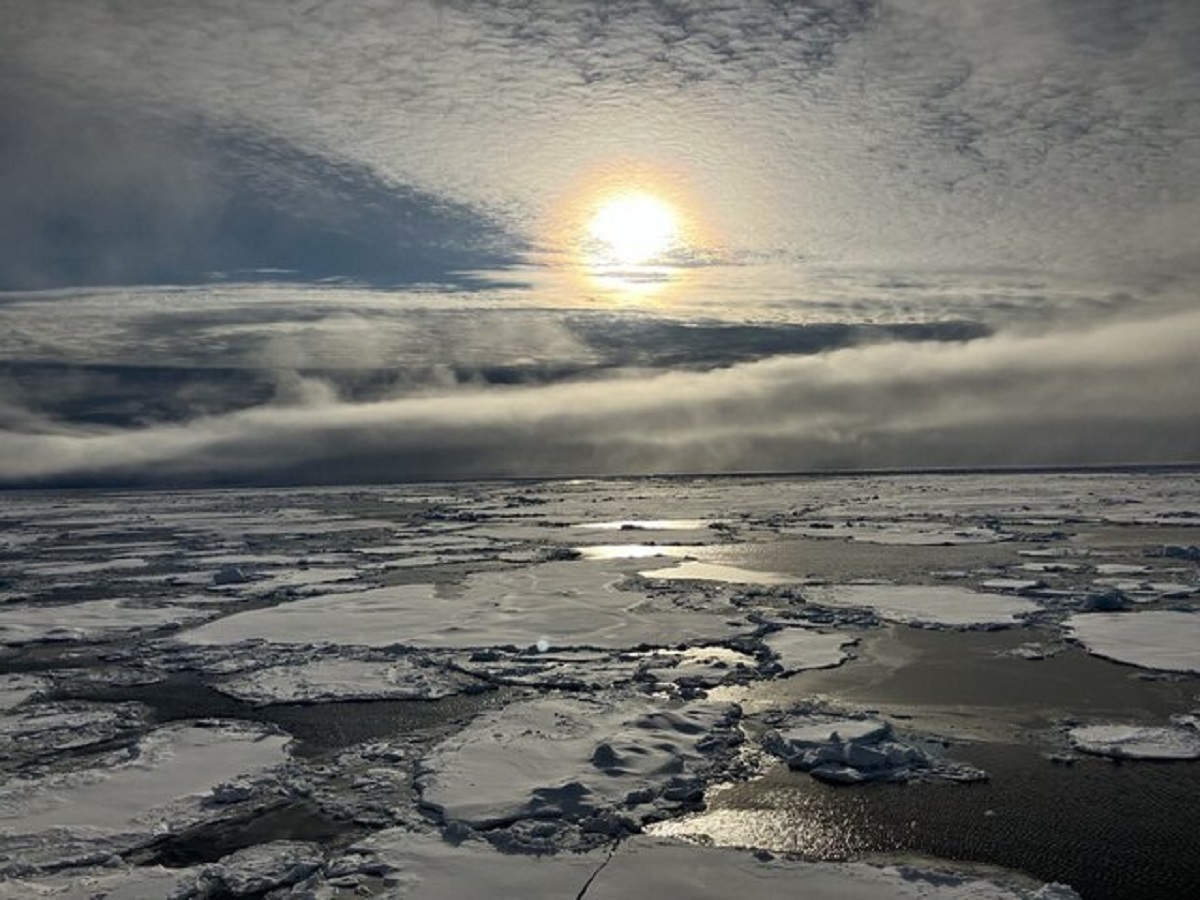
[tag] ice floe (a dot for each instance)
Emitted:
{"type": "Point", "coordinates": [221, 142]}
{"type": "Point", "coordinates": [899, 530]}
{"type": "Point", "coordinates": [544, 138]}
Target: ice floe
{"type": "Point", "coordinates": [798, 649]}
{"type": "Point", "coordinates": [1153, 639]}
{"type": "Point", "coordinates": [926, 605]}
{"type": "Point", "coordinates": [576, 758]}
{"type": "Point", "coordinates": [92, 620]}
{"type": "Point", "coordinates": [38, 729]}
{"type": "Point", "coordinates": [551, 605]}
{"type": "Point", "coordinates": [1181, 740]}
{"type": "Point", "coordinates": [702, 571]}
{"type": "Point", "coordinates": [326, 680]}
{"type": "Point", "coordinates": [133, 791]}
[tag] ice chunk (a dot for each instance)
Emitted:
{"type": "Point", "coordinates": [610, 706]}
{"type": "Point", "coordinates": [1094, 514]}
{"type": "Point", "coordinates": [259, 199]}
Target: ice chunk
{"type": "Point", "coordinates": [853, 750]}
{"type": "Point", "coordinates": [1154, 639]}
{"type": "Point", "coordinates": [255, 870]}
{"type": "Point", "coordinates": [1138, 742]}
{"type": "Point", "coordinates": [327, 680]}
{"type": "Point", "coordinates": [920, 604]}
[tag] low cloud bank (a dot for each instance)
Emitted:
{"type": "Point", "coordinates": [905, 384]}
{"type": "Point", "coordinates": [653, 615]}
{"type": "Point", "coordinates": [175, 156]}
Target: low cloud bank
{"type": "Point", "coordinates": [1118, 393]}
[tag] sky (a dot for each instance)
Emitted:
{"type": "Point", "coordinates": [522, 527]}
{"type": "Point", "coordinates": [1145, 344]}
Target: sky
{"type": "Point", "coordinates": [327, 242]}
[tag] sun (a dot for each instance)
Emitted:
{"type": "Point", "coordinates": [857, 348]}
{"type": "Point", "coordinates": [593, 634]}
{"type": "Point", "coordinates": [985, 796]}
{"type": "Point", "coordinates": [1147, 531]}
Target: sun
{"type": "Point", "coordinates": [633, 229]}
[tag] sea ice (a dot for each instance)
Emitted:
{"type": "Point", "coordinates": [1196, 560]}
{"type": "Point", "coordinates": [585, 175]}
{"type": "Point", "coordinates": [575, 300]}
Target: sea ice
{"type": "Point", "coordinates": [563, 604]}
{"type": "Point", "coordinates": [921, 605]}
{"type": "Point", "coordinates": [1153, 639]}
{"type": "Point", "coordinates": [102, 883]}
{"type": "Point", "coordinates": [92, 620]}
{"type": "Point", "coordinates": [574, 758]}
{"type": "Point", "coordinates": [40, 728]}
{"type": "Point", "coordinates": [798, 649]}
{"type": "Point", "coordinates": [1179, 741]}
{"type": "Point", "coordinates": [15, 689]}
{"type": "Point", "coordinates": [422, 867]}
{"type": "Point", "coordinates": [914, 534]}
{"type": "Point", "coordinates": [702, 571]}
{"type": "Point", "coordinates": [325, 680]}
{"type": "Point", "coordinates": [133, 792]}
{"type": "Point", "coordinates": [851, 751]}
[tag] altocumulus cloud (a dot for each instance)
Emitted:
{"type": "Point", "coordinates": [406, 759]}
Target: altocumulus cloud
{"type": "Point", "coordinates": [1117, 393]}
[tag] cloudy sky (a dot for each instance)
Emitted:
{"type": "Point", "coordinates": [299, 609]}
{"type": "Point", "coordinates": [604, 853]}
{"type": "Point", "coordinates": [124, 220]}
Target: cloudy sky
{"type": "Point", "coordinates": [381, 240]}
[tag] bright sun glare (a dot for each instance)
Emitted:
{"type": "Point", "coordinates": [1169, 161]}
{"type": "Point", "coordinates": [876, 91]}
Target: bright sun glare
{"type": "Point", "coordinates": [633, 229]}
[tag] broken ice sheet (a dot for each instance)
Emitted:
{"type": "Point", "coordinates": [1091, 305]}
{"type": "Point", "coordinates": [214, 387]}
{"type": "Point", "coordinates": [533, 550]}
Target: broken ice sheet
{"type": "Point", "coordinates": [133, 792]}
{"type": "Point", "coordinates": [327, 680]}
{"type": "Point", "coordinates": [925, 605]}
{"type": "Point", "coordinates": [552, 605]}
{"type": "Point", "coordinates": [1155, 639]}
{"type": "Point", "coordinates": [574, 758]}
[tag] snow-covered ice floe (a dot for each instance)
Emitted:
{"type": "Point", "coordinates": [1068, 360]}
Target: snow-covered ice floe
{"type": "Point", "coordinates": [1180, 740]}
{"type": "Point", "coordinates": [1153, 639]}
{"type": "Point", "coordinates": [926, 605]}
{"type": "Point", "coordinates": [576, 758]}
{"type": "Point", "coordinates": [145, 790]}
{"type": "Point", "coordinates": [422, 867]}
{"type": "Point", "coordinates": [556, 604]}
{"type": "Point", "coordinates": [328, 680]}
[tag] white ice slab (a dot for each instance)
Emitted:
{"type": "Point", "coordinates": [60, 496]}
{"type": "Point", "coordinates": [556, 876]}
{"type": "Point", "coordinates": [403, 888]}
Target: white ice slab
{"type": "Point", "coordinates": [1137, 742]}
{"type": "Point", "coordinates": [1155, 639]}
{"type": "Point", "coordinates": [327, 680]}
{"type": "Point", "coordinates": [93, 620]}
{"type": "Point", "coordinates": [920, 604]}
{"type": "Point", "coordinates": [803, 648]}
{"type": "Point", "coordinates": [564, 755]}
{"type": "Point", "coordinates": [553, 605]}
{"type": "Point", "coordinates": [171, 763]}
